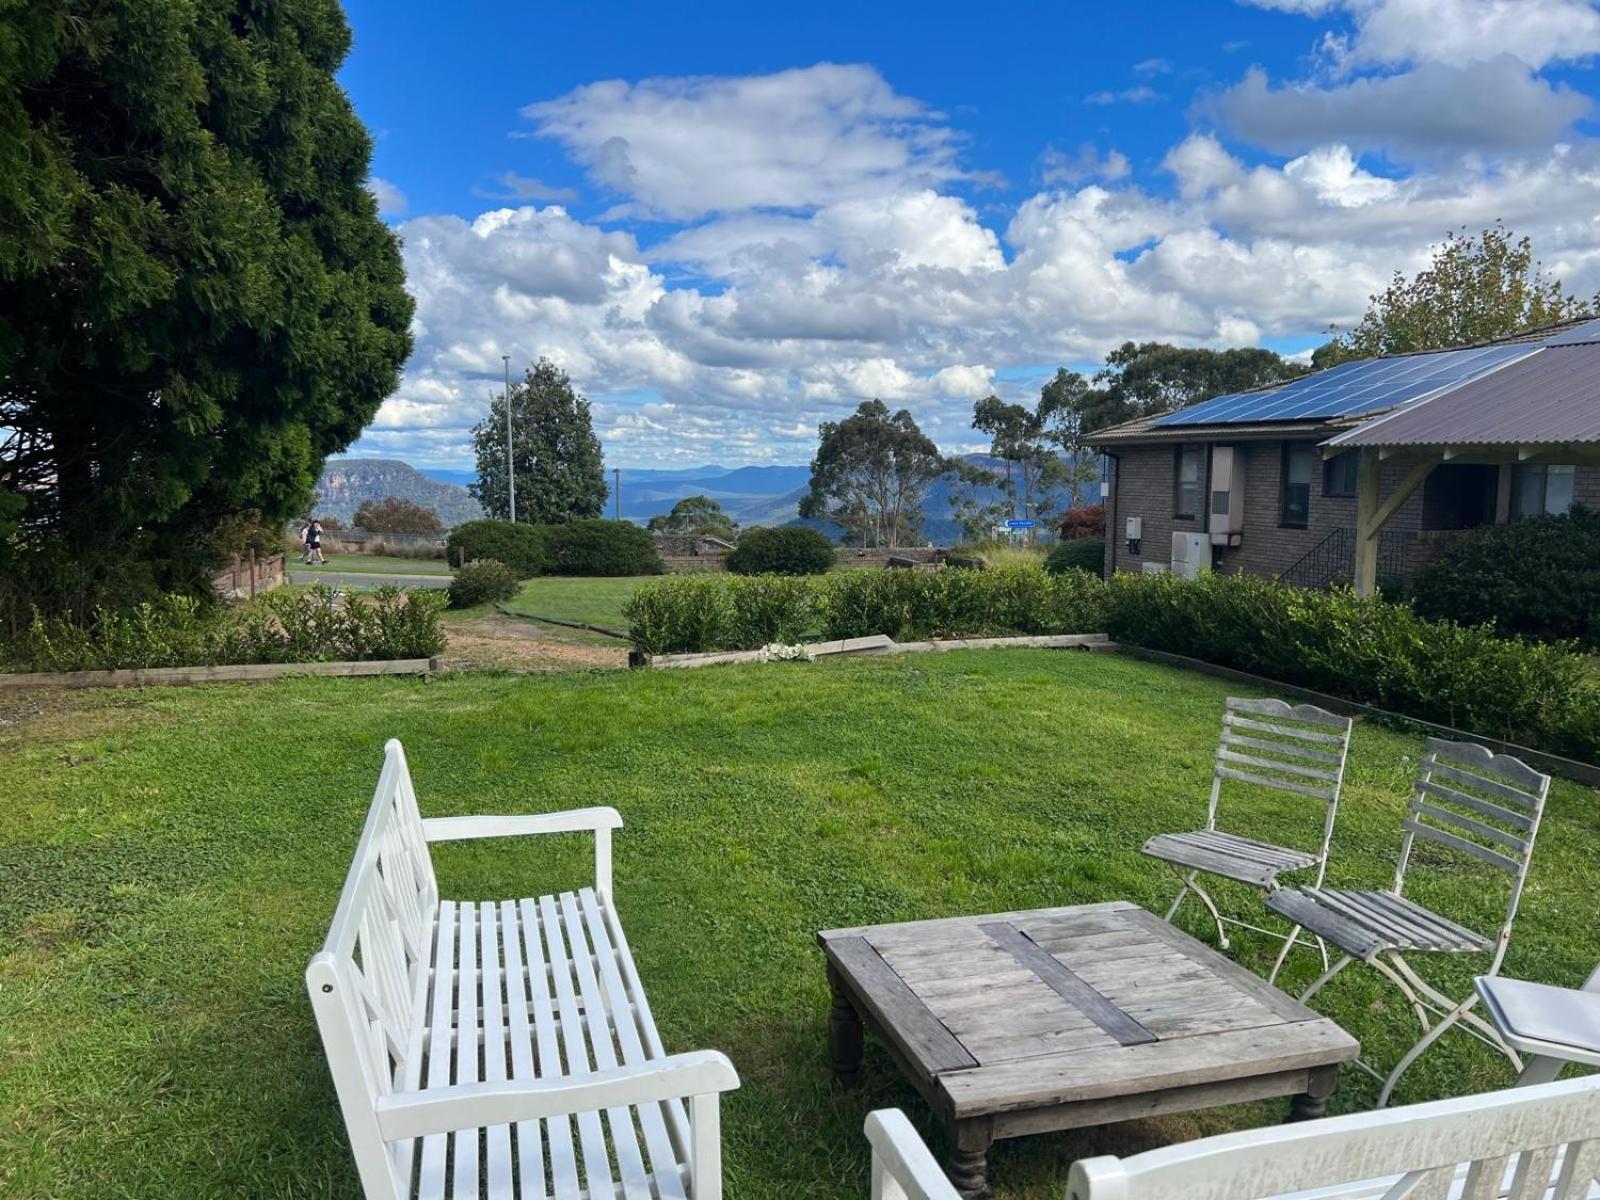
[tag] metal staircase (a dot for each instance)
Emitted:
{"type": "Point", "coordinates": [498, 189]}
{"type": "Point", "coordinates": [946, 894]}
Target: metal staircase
{"type": "Point", "coordinates": [1331, 562]}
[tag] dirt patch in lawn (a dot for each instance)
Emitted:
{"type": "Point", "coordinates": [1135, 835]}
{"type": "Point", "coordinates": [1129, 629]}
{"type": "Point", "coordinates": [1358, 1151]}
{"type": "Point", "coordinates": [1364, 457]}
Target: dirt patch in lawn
{"type": "Point", "coordinates": [508, 644]}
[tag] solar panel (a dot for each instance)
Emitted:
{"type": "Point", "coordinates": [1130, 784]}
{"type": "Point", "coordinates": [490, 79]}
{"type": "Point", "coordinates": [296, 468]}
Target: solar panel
{"type": "Point", "coordinates": [1371, 385]}
{"type": "Point", "coordinates": [1589, 331]}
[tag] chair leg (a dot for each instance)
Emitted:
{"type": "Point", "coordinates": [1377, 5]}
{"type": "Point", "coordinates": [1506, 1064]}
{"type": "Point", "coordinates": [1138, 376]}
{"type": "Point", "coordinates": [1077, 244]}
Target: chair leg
{"type": "Point", "coordinates": [1288, 945]}
{"type": "Point", "coordinates": [1191, 883]}
{"type": "Point", "coordinates": [1539, 1069]}
{"type": "Point", "coordinates": [1399, 980]}
{"type": "Point", "coordinates": [1320, 980]}
{"type": "Point", "coordinates": [1423, 1043]}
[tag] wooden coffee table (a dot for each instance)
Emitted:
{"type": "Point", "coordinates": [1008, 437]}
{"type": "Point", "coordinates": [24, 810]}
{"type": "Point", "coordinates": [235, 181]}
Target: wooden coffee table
{"type": "Point", "coordinates": [1058, 1018]}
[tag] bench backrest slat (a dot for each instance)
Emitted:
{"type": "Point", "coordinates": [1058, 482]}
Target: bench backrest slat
{"type": "Point", "coordinates": [366, 981]}
{"type": "Point", "coordinates": [1365, 1154]}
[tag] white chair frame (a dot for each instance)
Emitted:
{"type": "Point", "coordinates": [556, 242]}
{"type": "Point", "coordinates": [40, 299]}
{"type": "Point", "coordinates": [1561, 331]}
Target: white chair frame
{"type": "Point", "coordinates": [1447, 768]}
{"type": "Point", "coordinates": [1309, 761]}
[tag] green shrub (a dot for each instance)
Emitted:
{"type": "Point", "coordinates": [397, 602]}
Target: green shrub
{"type": "Point", "coordinates": [782, 550]}
{"type": "Point", "coordinates": [1078, 554]}
{"type": "Point", "coordinates": [681, 614]}
{"type": "Point", "coordinates": [771, 608]}
{"type": "Point", "coordinates": [1538, 577]}
{"type": "Point", "coordinates": [1370, 651]}
{"type": "Point", "coordinates": [482, 581]}
{"type": "Point", "coordinates": [520, 547]}
{"type": "Point", "coordinates": [597, 548]}
{"type": "Point", "coordinates": [315, 625]}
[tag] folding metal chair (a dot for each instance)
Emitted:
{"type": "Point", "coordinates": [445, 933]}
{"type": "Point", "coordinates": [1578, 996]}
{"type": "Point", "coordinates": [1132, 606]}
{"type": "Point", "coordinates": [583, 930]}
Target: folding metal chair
{"type": "Point", "coordinates": [1552, 1025]}
{"type": "Point", "coordinates": [1468, 800]}
{"type": "Point", "coordinates": [1298, 749]}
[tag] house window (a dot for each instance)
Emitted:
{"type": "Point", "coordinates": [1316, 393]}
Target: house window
{"type": "Point", "coordinates": [1339, 476]}
{"type": "Point", "coordinates": [1189, 480]}
{"type": "Point", "coordinates": [1299, 464]}
{"type": "Point", "coordinates": [1536, 489]}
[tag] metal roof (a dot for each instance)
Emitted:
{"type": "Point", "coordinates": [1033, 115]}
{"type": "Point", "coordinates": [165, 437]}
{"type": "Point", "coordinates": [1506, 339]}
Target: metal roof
{"type": "Point", "coordinates": [1352, 388]}
{"type": "Point", "coordinates": [1552, 396]}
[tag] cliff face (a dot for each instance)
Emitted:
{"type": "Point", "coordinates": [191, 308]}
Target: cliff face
{"type": "Point", "coordinates": [346, 482]}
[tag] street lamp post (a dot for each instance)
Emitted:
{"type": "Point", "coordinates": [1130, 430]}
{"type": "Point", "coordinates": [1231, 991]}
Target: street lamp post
{"type": "Point", "coordinates": [511, 470]}
{"type": "Point", "coordinates": [616, 476]}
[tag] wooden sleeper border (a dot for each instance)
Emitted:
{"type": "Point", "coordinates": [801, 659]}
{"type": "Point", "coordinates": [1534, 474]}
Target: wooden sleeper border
{"type": "Point", "coordinates": [880, 643]}
{"type": "Point", "coordinates": [239, 673]}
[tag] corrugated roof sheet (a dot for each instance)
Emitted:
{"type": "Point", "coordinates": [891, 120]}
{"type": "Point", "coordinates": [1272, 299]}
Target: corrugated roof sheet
{"type": "Point", "coordinates": [1551, 396]}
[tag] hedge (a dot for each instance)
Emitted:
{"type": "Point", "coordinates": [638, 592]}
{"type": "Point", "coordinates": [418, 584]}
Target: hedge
{"type": "Point", "coordinates": [482, 581]}
{"type": "Point", "coordinates": [783, 550]}
{"type": "Point", "coordinates": [596, 547]}
{"type": "Point", "coordinates": [281, 627]}
{"type": "Point", "coordinates": [1079, 554]}
{"type": "Point", "coordinates": [520, 547]}
{"type": "Point", "coordinates": [1538, 577]}
{"type": "Point", "coordinates": [1365, 650]}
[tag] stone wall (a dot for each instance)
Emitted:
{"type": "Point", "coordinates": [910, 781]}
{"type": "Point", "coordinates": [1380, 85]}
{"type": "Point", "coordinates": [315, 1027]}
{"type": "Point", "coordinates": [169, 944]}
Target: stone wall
{"type": "Point", "coordinates": [249, 576]}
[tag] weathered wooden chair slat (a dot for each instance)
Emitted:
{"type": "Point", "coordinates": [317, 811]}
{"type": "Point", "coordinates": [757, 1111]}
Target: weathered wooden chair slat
{"type": "Point", "coordinates": [1487, 809]}
{"type": "Point", "coordinates": [1298, 749]}
{"type": "Point", "coordinates": [502, 1049]}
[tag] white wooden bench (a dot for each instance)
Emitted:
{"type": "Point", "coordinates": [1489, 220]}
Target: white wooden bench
{"type": "Point", "coordinates": [501, 1049]}
{"type": "Point", "coordinates": [1528, 1143]}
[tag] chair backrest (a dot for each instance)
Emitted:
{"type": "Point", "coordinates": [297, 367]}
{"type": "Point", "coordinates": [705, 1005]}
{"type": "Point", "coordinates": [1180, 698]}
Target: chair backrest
{"type": "Point", "coordinates": [1296, 748]}
{"type": "Point", "coordinates": [902, 1166]}
{"type": "Point", "coordinates": [1546, 1139]}
{"type": "Point", "coordinates": [1476, 802]}
{"type": "Point", "coordinates": [364, 982]}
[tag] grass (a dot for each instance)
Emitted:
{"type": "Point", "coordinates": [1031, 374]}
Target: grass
{"type": "Point", "coordinates": [592, 601]}
{"type": "Point", "coordinates": [170, 859]}
{"type": "Point", "coordinates": [375, 563]}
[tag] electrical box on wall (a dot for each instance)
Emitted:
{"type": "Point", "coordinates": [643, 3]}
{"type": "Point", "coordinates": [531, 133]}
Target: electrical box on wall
{"type": "Point", "coordinates": [1225, 514]}
{"type": "Point", "coordinates": [1191, 554]}
{"type": "Point", "coordinates": [1135, 528]}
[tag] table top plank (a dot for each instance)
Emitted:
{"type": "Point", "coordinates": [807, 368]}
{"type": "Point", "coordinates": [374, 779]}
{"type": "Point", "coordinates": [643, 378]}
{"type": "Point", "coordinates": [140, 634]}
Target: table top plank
{"type": "Point", "coordinates": [902, 1017]}
{"type": "Point", "coordinates": [1112, 1071]}
{"type": "Point", "coordinates": [1074, 990]}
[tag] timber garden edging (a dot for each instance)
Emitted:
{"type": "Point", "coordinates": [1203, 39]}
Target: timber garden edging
{"type": "Point", "coordinates": [236, 673]}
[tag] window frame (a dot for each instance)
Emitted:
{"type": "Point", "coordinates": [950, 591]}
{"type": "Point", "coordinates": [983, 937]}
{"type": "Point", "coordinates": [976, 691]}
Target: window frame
{"type": "Point", "coordinates": [1290, 448]}
{"type": "Point", "coordinates": [1329, 491]}
{"type": "Point", "coordinates": [1199, 484]}
{"type": "Point", "coordinates": [1521, 471]}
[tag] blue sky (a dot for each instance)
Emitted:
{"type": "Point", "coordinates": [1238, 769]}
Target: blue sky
{"type": "Point", "coordinates": [729, 222]}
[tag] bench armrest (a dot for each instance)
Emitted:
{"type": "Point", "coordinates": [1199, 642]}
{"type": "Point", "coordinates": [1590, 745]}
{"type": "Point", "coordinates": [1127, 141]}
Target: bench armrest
{"type": "Point", "coordinates": [601, 821]}
{"type": "Point", "coordinates": [461, 829]}
{"type": "Point", "coordinates": [474, 1105]}
{"type": "Point", "coordinates": [903, 1168]}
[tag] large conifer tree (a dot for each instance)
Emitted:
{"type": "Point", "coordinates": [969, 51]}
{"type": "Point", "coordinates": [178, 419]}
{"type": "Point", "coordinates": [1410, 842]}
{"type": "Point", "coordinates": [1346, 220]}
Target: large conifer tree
{"type": "Point", "coordinates": [561, 473]}
{"type": "Point", "coordinates": [198, 301]}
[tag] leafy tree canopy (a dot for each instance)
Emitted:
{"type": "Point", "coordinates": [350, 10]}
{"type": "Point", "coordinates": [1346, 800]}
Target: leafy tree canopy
{"type": "Point", "coordinates": [870, 475]}
{"type": "Point", "coordinates": [198, 301]}
{"type": "Point", "coordinates": [394, 515]}
{"type": "Point", "coordinates": [560, 473]}
{"type": "Point", "coordinates": [697, 515]}
{"type": "Point", "coordinates": [1477, 288]}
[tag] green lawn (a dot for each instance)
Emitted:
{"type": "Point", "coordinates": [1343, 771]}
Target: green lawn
{"type": "Point", "coordinates": [170, 858]}
{"type": "Point", "coordinates": [376, 563]}
{"type": "Point", "coordinates": [592, 601]}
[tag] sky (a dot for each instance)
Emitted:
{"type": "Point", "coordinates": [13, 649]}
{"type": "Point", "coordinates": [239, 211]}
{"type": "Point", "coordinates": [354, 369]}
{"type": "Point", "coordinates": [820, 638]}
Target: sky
{"type": "Point", "coordinates": [731, 222]}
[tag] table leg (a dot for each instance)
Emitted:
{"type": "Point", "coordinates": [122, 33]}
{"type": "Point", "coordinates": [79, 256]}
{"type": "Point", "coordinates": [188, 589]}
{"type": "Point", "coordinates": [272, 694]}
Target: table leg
{"type": "Point", "coordinates": [969, 1160]}
{"type": "Point", "coordinates": [1312, 1103]}
{"type": "Point", "coordinates": [844, 1033]}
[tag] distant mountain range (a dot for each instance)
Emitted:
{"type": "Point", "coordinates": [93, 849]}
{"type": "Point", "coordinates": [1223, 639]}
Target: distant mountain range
{"type": "Point", "coordinates": [753, 495]}
{"type": "Point", "coordinates": [346, 482]}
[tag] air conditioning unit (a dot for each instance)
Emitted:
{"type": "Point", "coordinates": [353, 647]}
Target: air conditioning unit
{"type": "Point", "coordinates": [1225, 520]}
{"type": "Point", "coordinates": [1191, 554]}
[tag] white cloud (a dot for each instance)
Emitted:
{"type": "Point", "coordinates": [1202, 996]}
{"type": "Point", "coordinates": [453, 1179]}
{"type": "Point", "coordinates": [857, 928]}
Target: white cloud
{"type": "Point", "coordinates": [1142, 94]}
{"type": "Point", "coordinates": [1056, 166]}
{"type": "Point", "coordinates": [685, 148]}
{"type": "Point", "coordinates": [391, 200]}
{"type": "Point", "coordinates": [1152, 66]}
{"type": "Point", "coordinates": [511, 186]}
{"type": "Point", "coordinates": [1460, 32]}
{"type": "Point", "coordinates": [1492, 106]}
{"type": "Point", "coordinates": [733, 336]}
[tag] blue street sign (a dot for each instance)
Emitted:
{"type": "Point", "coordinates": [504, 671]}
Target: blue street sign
{"type": "Point", "coordinates": [1019, 523]}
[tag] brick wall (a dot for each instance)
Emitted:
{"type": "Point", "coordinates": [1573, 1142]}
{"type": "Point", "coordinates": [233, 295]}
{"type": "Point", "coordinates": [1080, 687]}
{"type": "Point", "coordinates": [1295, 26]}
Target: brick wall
{"type": "Point", "coordinates": [1144, 489]}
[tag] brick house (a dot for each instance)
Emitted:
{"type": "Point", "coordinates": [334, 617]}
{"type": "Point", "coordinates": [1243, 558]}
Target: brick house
{"type": "Point", "coordinates": [1362, 472]}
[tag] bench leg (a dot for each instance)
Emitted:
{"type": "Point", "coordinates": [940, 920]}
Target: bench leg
{"type": "Point", "coordinates": [1312, 1104]}
{"type": "Point", "coordinates": [969, 1160]}
{"type": "Point", "coordinates": [844, 1033]}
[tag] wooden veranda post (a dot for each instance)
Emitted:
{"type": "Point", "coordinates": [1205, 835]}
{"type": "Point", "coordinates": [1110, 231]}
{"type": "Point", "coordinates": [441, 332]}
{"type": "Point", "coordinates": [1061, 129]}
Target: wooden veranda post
{"type": "Point", "coordinates": [1372, 514]}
